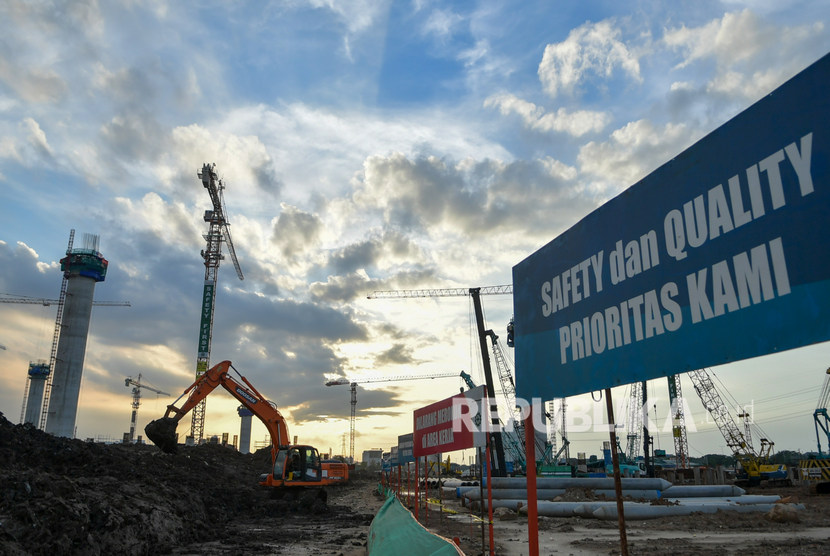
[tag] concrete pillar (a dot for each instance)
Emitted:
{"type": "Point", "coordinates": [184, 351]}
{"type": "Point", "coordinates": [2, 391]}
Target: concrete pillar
{"type": "Point", "coordinates": [83, 268]}
{"type": "Point", "coordinates": [245, 429]}
{"type": "Point", "coordinates": [38, 373]}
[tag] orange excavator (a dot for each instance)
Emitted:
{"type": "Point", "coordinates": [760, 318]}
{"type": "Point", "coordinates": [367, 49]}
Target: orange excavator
{"type": "Point", "coordinates": [295, 468]}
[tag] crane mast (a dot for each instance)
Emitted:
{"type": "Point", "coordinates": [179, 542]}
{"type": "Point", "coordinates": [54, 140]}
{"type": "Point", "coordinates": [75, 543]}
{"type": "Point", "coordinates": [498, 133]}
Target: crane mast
{"type": "Point", "coordinates": [681, 443]}
{"type": "Point", "coordinates": [353, 401]}
{"type": "Point", "coordinates": [137, 386]}
{"type": "Point", "coordinates": [212, 254]}
{"type": "Point", "coordinates": [497, 462]}
{"type": "Point", "coordinates": [635, 420]}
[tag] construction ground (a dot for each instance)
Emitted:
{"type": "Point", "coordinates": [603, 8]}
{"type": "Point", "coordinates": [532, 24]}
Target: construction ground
{"type": "Point", "coordinates": [61, 496]}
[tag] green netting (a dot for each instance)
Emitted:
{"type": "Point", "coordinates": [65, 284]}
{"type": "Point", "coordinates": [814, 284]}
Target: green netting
{"type": "Point", "coordinates": [395, 532]}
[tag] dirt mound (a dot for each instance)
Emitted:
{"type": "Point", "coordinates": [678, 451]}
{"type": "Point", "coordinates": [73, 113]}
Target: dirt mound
{"type": "Point", "coordinates": [59, 495]}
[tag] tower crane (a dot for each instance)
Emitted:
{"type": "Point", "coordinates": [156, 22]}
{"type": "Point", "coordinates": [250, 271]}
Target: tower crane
{"type": "Point", "coordinates": [353, 384]}
{"type": "Point", "coordinates": [497, 462]}
{"type": "Point", "coordinates": [137, 386]}
{"type": "Point", "coordinates": [218, 233]}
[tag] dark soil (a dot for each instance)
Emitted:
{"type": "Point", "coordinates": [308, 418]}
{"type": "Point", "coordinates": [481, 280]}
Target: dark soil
{"type": "Point", "coordinates": [64, 496]}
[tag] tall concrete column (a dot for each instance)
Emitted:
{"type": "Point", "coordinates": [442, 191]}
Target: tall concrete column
{"type": "Point", "coordinates": [38, 373]}
{"type": "Point", "coordinates": [245, 429]}
{"type": "Point", "coordinates": [83, 269]}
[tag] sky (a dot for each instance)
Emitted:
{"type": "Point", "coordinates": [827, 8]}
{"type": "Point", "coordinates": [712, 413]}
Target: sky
{"type": "Point", "coordinates": [363, 145]}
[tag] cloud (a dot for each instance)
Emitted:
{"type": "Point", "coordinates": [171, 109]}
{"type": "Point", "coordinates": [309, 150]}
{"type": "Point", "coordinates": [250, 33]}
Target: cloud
{"type": "Point", "coordinates": [576, 123]}
{"type": "Point", "coordinates": [443, 199]}
{"type": "Point", "coordinates": [751, 56]}
{"type": "Point", "coordinates": [440, 23]}
{"type": "Point", "coordinates": [630, 153]}
{"type": "Point", "coordinates": [591, 49]}
{"type": "Point", "coordinates": [26, 274]}
{"type": "Point", "coordinates": [356, 15]}
{"type": "Point", "coordinates": [398, 354]}
{"type": "Point", "coordinates": [296, 231]}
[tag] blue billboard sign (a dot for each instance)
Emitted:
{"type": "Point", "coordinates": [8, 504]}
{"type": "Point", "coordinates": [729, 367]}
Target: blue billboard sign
{"type": "Point", "coordinates": [718, 255]}
{"type": "Point", "coordinates": [405, 453]}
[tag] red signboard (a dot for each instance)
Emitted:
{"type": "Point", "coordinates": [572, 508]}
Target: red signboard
{"type": "Point", "coordinates": [449, 425]}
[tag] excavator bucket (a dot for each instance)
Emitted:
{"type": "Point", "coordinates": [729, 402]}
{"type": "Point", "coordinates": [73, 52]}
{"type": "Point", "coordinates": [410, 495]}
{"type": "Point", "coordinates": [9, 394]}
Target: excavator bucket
{"type": "Point", "coordinates": [162, 433]}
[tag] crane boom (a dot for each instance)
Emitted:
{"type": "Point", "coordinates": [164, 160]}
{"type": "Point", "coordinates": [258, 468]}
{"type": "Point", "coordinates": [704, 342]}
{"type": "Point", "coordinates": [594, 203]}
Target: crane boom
{"type": "Point", "coordinates": [754, 463]}
{"type": "Point", "coordinates": [497, 462]}
{"type": "Point", "coordinates": [9, 298]}
{"type": "Point", "coordinates": [440, 292]}
{"type": "Point", "coordinates": [344, 381]}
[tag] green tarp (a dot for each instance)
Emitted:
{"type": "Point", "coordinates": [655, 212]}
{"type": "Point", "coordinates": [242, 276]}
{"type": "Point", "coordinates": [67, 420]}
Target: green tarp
{"type": "Point", "coordinates": [395, 532]}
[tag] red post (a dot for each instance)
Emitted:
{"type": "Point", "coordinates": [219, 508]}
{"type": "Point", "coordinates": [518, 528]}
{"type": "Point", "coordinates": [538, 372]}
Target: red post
{"type": "Point", "coordinates": [417, 502]}
{"type": "Point", "coordinates": [530, 464]}
{"type": "Point", "coordinates": [426, 491]}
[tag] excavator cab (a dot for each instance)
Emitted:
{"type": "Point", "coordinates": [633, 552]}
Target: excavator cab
{"type": "Point", "coordinates": [298, 464]}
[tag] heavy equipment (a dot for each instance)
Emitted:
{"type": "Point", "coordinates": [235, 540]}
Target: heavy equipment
{"type": "Point", "coordinates": [137, 386]}
{"type": "Point", "coordinates": [294, 467]}
{"type": "Point", "coordinates": [218, 233]}
{"type": "Point", "coordinates": [340, 381]}
{"type": "Point", "coordinates": [816, 469]}
{"type": "Point", "coordinates": [755, 466]}
{"type": "Point", "coordinates": [497, 462]}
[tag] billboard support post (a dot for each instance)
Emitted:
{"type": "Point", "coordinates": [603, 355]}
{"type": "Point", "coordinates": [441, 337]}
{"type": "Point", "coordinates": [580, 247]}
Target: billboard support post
{"type": "Point", "coordinates": [615, 460]}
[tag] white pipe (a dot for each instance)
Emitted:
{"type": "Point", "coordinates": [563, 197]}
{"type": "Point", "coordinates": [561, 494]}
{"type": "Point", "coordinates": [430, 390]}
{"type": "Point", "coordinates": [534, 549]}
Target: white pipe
{"type": "Point", "coordinates": [582, 482]}
{"type": "Point", "coordinates": [686, 491]}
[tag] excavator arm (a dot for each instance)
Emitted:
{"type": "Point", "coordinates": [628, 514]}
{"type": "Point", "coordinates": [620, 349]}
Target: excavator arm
{"type": "Point", "coordinates": [162, 432]}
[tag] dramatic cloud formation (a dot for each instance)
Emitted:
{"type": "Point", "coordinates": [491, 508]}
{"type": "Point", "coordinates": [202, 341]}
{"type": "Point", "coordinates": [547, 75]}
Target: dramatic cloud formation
{"type": "Point", "coordinates": [362, 146]}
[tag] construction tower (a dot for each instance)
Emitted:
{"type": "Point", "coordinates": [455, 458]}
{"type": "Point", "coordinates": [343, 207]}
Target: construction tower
{"type": "Point", "coordinates": [38, 373]}
{"type": "Point", "coordinates": [82, 268]}
{"type": "Point", "coordinates": [246, 416]}
{"type": "Point", "coordinates": [212, 254]}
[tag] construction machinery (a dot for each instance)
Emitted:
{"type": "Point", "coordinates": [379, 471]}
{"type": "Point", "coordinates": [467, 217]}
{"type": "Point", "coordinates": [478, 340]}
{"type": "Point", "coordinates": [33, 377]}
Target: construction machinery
{"type": "Point", "coordinates": [820, 418]}
{"type": "Point", "coordinates": [497, 461]}
{"type": "Point", "coordinates": [218, 233]}
{"type": "Point", "coordinates": [817, 469]}
{"type": "Point", "coordinates": [137, 386]}
{"type": "Point", "coordinates": [755, 466]}
{"type": "Point", "coordinates": [342, 381]}
{"type": "Point", "coordinates": [294, 467]}
{"type": "Point", "coordinates": [681, 442]}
